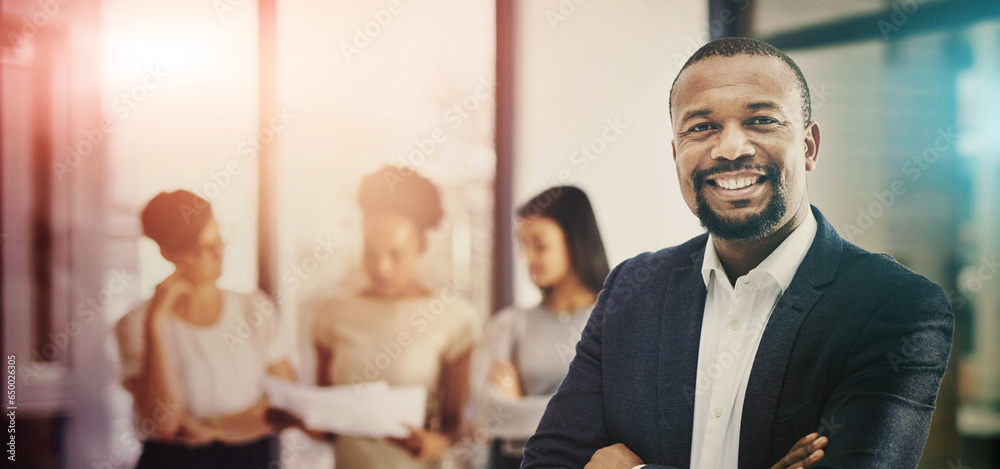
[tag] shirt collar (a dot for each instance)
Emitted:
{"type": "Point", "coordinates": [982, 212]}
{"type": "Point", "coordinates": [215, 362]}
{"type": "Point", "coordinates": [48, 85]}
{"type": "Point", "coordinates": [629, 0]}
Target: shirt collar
{"type": "Point", "coordinates": [781, 264]}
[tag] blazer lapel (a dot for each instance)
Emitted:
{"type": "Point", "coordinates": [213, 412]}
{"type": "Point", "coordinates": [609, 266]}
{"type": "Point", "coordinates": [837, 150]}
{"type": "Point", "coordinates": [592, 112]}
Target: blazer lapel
{"type": "Point", "coordinates": [680, 337]}
{"type": "Point", "coordinates": [764, 387]}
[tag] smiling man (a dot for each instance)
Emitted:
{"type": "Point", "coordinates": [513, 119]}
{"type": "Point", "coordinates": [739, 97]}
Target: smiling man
{"type": "Point", "coordinates": [767, 342]}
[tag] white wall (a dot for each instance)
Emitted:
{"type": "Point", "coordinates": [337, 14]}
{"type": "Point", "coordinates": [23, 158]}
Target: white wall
{"type": "Point", "coordinates": [180, 88]}
{"type": "Point", "coordinates": [580, 67]}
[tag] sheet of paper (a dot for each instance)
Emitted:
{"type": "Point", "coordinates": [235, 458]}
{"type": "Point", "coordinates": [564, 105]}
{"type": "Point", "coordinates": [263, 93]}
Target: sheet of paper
{"type": "Point", "coordinates": [374, 410]}
{"type": "Point", "coordinates": [513, 418]}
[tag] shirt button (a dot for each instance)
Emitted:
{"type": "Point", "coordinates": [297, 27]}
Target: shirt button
{"type": "Point", "coordinates": [718, 412]}
{"type": "Point", "coordinates": [735, 324]}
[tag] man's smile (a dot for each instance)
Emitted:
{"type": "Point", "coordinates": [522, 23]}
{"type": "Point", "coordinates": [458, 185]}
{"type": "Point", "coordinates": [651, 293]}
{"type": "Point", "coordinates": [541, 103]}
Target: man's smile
{"type": "Point", "coordinates": [735, 185]}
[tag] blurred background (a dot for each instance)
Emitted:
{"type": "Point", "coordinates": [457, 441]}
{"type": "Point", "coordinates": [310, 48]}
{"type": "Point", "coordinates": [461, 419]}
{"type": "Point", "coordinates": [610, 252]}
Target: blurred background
{"type": "Point", "coordinates": [273, 111]}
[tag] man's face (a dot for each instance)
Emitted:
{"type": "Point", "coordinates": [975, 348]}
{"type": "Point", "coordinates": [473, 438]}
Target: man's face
{"type": "Point", "coordinates": [740, 145]}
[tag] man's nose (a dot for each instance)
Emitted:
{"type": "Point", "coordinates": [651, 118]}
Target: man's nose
{"type": "Point", "coordinates": [733, 144]}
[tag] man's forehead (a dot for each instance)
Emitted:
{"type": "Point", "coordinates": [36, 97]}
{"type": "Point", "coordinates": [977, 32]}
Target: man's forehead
{"type": "Point", "coordinates": [765, 74]}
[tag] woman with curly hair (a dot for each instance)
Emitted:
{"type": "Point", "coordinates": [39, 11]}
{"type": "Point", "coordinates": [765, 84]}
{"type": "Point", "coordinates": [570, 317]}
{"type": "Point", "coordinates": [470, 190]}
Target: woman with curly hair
{"type": "Point", "coordinates": [397, 329]}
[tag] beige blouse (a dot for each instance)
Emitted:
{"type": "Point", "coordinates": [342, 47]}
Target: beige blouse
{"type": "Point", "coordinates": [405, 343]}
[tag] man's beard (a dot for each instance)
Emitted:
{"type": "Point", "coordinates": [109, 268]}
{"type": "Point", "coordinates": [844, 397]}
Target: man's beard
{"type": "Point", "coordinates": [751, 228]}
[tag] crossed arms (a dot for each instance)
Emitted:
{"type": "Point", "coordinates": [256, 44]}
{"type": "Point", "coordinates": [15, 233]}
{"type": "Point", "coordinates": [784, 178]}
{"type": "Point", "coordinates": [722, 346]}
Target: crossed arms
{"type": "Point", "coordinates": [876, 413]}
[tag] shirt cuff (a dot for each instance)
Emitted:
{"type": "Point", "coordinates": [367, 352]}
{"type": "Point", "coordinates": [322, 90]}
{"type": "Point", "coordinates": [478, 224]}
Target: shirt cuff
{"type": "Point", "coordinates": [639, 466]}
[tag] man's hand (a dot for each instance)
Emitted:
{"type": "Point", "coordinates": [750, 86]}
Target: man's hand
{"type": "Point", "coordinates": [805, 453]}
{"type": "Point", "coordinates": [616, 456]}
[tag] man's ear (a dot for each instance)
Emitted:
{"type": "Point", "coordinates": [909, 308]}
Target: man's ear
{"type": "Point", "coordinates": [811, 145]}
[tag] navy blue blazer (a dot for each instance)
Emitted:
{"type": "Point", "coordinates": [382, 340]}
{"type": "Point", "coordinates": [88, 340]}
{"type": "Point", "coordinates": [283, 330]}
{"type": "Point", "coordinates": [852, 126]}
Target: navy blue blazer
{"type": "Point", "coordinates": [855, 350]}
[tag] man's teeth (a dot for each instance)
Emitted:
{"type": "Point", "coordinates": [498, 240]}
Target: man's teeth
{"type": "Point", "coordinates": [736, 183]}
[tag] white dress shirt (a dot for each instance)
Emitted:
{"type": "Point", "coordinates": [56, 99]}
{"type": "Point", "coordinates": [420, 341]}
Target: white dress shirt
{"type": "Point", "coordinates": [731, 330]}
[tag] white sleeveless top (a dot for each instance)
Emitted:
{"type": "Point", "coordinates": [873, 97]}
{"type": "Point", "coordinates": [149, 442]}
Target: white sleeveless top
{"type": "Point", "coordinates": [222, 366]}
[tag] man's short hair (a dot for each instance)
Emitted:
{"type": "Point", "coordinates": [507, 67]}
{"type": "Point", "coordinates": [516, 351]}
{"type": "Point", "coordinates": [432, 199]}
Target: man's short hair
{"type": "Point", "coordinates": [731, 46]}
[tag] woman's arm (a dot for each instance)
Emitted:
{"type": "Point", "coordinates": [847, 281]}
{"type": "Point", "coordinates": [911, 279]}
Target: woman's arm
{"type": "Point", "coordinates": [427, 445]}
{"type": "Point", "coordinates": [282, 369]}
{"type": "Point", "coordinates": [281, 418]}
{"type": "Point", "coordinates": [243, 427]}
{"type": "Point", "coordinates": [324, 358]}
{"type": "Point", "coordinates": [455, 384]}
{"type": "Point", "coordinates": [157, 389]}
{"type": "Point", "coordinates": [251, 424]}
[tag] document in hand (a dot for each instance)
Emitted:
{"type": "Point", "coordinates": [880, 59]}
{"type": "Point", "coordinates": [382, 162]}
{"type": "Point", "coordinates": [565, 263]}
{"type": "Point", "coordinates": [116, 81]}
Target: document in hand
{"type": "Point", "coordinates": [374, 410]}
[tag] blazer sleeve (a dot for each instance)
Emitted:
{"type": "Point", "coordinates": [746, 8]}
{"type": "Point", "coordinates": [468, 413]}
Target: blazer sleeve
{"type": "Point", "coordinates": [879, 414]}
{"type": "Point", "coordinates": [572, 427]}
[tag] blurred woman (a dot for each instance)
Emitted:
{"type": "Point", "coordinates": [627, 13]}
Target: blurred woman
{"type": "Point", "coordinates": [426, 335]}
{"type": "Point", "coordinates": [194, 357]}
{"type": "Point", "coordinates": [529, 349]}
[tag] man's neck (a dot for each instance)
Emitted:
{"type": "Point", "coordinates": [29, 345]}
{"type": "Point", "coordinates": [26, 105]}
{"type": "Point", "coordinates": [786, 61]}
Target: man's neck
{"type": "Point", "coordinates": [740, 257]}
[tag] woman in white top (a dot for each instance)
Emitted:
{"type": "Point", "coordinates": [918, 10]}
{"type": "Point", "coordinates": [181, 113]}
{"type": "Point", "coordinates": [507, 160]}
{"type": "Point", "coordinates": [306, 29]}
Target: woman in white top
{"type": "Point", "coordinates": [529, 349]}
{"type": "Point", "coordinates": [194, 357]}
{"type": "Point", "coordinates": [397, 329]}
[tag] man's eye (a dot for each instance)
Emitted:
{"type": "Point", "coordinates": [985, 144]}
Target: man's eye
{"type": "Point", "coordinates": [760, 120]}
{"type": "Point", "coordinates": [700, 128]}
